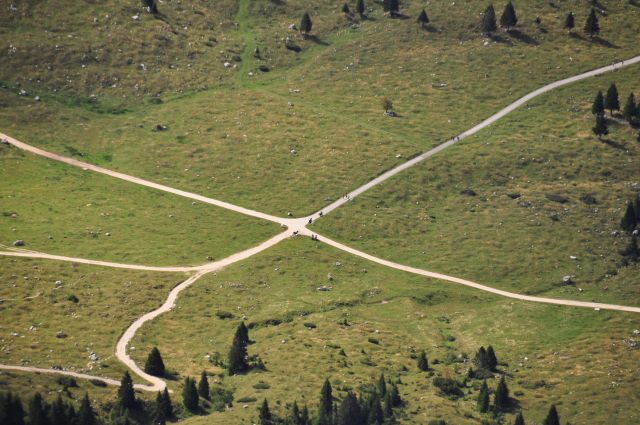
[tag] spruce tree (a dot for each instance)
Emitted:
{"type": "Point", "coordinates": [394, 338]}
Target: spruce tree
{"type": "Point", "coordinates": [158, 416]}
{"type": "Point", "coordinates": [71, 414]}
{"type": "Point", "coordinates": [396, 400]}
{"type": "Point", "coordinates": [360, 7]}
{"type": "Point", "coordinates": [325, 409]}
{"type": "Point", "coordinates": [387, 407]}
{"type": "Point", "coordinates": [628, 221]}
{"type": "Point", "coordinates": [423, 363]}
{"type": "Point", "coordinates": [489, 20]}
{"type": "Point", "coordinates": [592, 27]}
{"type": "Point", "coordinates": [394, 7]}
{"type": "Point", "coordinates": [190, 395]}
{"type": "Point", "coordinates": [376, 415]}
{"type": "Point", "coordinates": [86, 415]}
{"type": "Point", "coordinates": [12, 410]}
{"type": "Point", "coordinates": [154, 364]}
{"type": "Point", "coordinates": [37, 411]}
{"type": "Point", "coordinates": [126, 394]}
{"type": "Point", "coordinates": [481, 358]}
{"type": "Point", "coordinates": [501, 398]}
{"type": "Point", "coordinates": [483, 398]}
{"type": "Point", "coordinates": [519, 419]}
{"type": "Point", "coordinates": [151, 6]}
{"type": "Point", "coordinates": [203, 386]}
{"type": "Point", "coordinates": [492, 361]}
{"type": "Point", "coordinates": [295, 414]}
{"type": "Point", "coordinates": [167, 406]}
{"type": "Point", "coordinates": [238, 352]}
{"type": "Point", "coordinates": [552, 417]}
{"type": "Point", "coordinates": [265, 413]}
{"type": "Point", "coordinates": [423, 19]}
{"type": "Point", "coordinates": [304, 416]}
{"type": "Point", "coordinates": [305, 27]}
{"type": "Point", "coordinates": [345, 9]}
{"type": "Point", "coordinates": [382, 386]}
{"type": "Point", "coordinates": [601, 128]}
{"type": "Point", "coordinates": [598, 104]}
{"type": "Point", "coordinates": [508, 19]}
{"type": "Point", "coordinates": [570, 22]}
{"type": "Point", "coordinates": [58, 413]}
{"type": "Point", "coordinates": [630, 111]}
{"type": "Point", "coordinates": [611, 101]}
{"type": "Point", "coordinates": [349, 411]}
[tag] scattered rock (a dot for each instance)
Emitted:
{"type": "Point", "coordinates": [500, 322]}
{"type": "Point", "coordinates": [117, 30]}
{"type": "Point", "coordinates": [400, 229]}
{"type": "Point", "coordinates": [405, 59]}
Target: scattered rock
{"type": "Point", "coordinates": [390, 114]}
{"type": "Point", "coordinates": [525, 204]}
{"type": "Point", "coordinates": [338, 264]}
{"type": "Point", "coordinates": [468, 192]}
{"type": "Point", "coordinates": [573, 257]}
{"type": "Point", "coordinates": [19, 242]}
{"type": "Point", "coordinates": [136, 17]}
{"type": "Point", "coordinates": [37, 98]}
{"type": "Point", "coordinates": [329, 276]}
{"type": "Point", "coordinates": [22, 92]}
{"type": "Point", "coordinates": [160, 127]}
{"type": "Point", "coordinates": [323, 288]}
{"type": "Point", "coordinates": [615, 233]}
{"type": "Point", "coordinates": [264, 68]}
{"type": "Point", "coordinates": [589, 200]}
{"type": "Point", "coordinates": [294, 152]}
{"type": "Point", "coordinates": [58, 283]}
{"type": "Point", "coordinates": [293, 27]}
{"type": "Point", "coordinates": [513, 195]}
{"type": "Point", "coordinates": [93, 357]}
{"type": "Point", "coordinates": [61, 335]}
{"type": "Point", "coordinates": [567, 280]}
{"type": "Point", "coordinates": [228, 64]}
{"type": "Point", "coordinates": [4, 141]}
{"type": "Point", "coordinates": [557, 198]}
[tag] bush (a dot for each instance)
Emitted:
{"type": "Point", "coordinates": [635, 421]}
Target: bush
{"type": "Point", "coordinates": [310, 325]}
{"type": "Point", "coordinates": [373, 340]}
{"type": "Point", "coordinates": [448, 386]}
{"type": "Point", "coordinates": [221, 398]}
{"type": "Point", "coordinates": [73, 299]}
{"type": "Point", "coordinates": [247, 400]}
{"type": "Point", "coordinates": [98, 383]}
{"type": "Point", "coordinates": [224, 315]}
{"type": "Point", "coordinates": [261, 386]}
{"type": "Point", "coordinates": [68, 382]}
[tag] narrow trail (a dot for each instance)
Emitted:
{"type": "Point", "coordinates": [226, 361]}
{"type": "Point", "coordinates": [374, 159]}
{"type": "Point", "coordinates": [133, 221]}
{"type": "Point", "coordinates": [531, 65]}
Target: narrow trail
{"type": "Point", "coordinates": [294, 227]}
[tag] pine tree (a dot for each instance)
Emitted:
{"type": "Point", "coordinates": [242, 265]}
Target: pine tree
{"type": "Point", "coordinates": [570, 22]}
{"type": "Point", "coordinates": [151, 6]}
{"type": "Point", "coordinates": [325, 409]}
{"type": "Point", "coordinates": [592, 27]}
{"type": "Point", "coordinates": [423, 363]}
{"type": "Point", "coordinates": [158, 417]}
{"type": "Point", "coordinates": [501, 398]}
{"type": "Point", "coordinates": [492, 361]}
{"type": "Point", "coordinates": [396, 401]}
{"type": "Point", "coordinates": [423, 19]}
{"type": "Point", "coordinates": [630, 111]}
{"type": "Point", "coordinates": [11, 411]}
{"type": "Point", "coordinates": [382, 386]}
{"type": "Point", "coordinates": [167, 406]}
{"type": "Point", "coordinates": [349, 411]}
{"type": "Point", "coordinates": [552, 417]}
{"type": "Point", "coordinates": [203, 386]}
{"type": "Point", "coordinates": [304, 416]}
{"type": "Point", "coordinates": [71, 415]}
{"type": "Point", "coordinates": [393, 7]}
{"type": "Point", "coordinates": [598, 104]}
{"type": "Point", "coordinates": [489, 20]}
{"type": "Point", "coordinates": [360, 7]}
{"type": "Point", "coordinates": [600, 128]}
{"type": "Point", "coordinates": [305, 27]}
{"type": "Point", "coordinates": [238, 352]}
{"type": "Point", "coordinates": [58, 413]}
{"type": "Point", "coordinates": [154, 364]}
{"type": "Point", "coordinates": [345, 9]}
{"type": "Point", "coordinates": [628, 221]}
{"type": "Point", "coordinates": [265, 413]}
{"type": "Point", "coordinates": [519, 419]}
{"type": "Point", "coordinates": [37, 411]}
{"type": "Point", "coordinates": [126, 394]}
{"type": "Point", "coordinates": [483, 398]}
{"type": "Point", "coordinates": [295, 414]}
{"type": "Point", "coordinates": [376, 415]}
{"type": "Point", "coordinates": [190, 395]}
{"type": "Point", "coordinates": [86, 415]}
{"type": "Point", "coordinates": [508, 19]}
{"type": "Point", "coordinates": [387, 407]}
{"type": "Point", "coordinates": [481, 358]}
{"type": "Point", "coordinates": [611, 101]}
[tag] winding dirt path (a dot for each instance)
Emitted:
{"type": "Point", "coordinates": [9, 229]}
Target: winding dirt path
{"type": "Point", "coordinates": [295, 226]}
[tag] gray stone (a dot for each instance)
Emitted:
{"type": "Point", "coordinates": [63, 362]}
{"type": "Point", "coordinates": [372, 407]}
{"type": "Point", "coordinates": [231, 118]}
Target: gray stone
{"type": "Point", "coordinates": [19, 242]}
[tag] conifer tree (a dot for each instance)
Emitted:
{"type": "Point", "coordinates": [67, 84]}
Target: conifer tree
{"type": "Point", "coordinates": [37, 411]}
{"type": "Point", "coordinates": [552, 417]}
{"type": "Point", "coordinates": [598, 104]}
{"type": "Point", "coordinates": [519, 419]}
{"type": "Point", "coordinates": [387, 407]}
{"type": "Point", "coordinates": [295, 414]}
{"type": "Point", "coordinates": [305, 27]}
{"type": "Point", "coordinates": [238, 352]}
{"type": "Point", "coordinates": [349, 411]}
{"type": "Point", "coordinates": [265, 413]}
{"type": "Point", "coordinates": [126, 394]}
{"type": "Point", "coordinates": [11, 411]}
{"type": "Point", "coordinates": [489, 20]}
{"type": "Point", "coordinates": [203, 386]}
{"type": "Point", "coordinates": [628, 221]}
{"type": "Point", "coordinates": [393, 7]}
{"type": "Point", "coordinates": [501, 398]}
{"type": "Point", "coordinates": [58, 413]}
{"type": "Point", "coordinates": [190, 395]}
{"type": "Point", "coordinates": [154, 364]}
{"type": "Point", "coordinates": [71, 414]}
{"type": "Point", "coordinates": [304, 416]}
{"type": "Point", "coordinates": [396, 401]}
{"type": "Point", "coordinates": [481, 358]}
{"type": "Point", "coordinates": [630, 111]}
{"type": "Point", "coordinates": [382, 386]}
{"type": "Point", "coordinates": [345, 9]}
{"type": "Point", "coordinates": [601, 128]}
{"type": "Point", "coordinates": [86, 415]}
{"type": "Point", "coordinates": [483, 398]}
{"type": "Point", "coordinates": [492, 361]}
{"type": "Point", "coordinates": [570, 22]}
{"type": "Point", "coordinates": [151, 6]}
{"type": "Point", "coordinates": [376, 415]}
{"type": "Point", "coordinates": [592, 27]}
{"type": "Point", "coordinates": [423, 19]}
{"type": "Point", "coordinates": [360, 7]}
{"type": "Point", "coordinates": [508, 19]}
{"type": "Point", "coordinates": [611, 101]}
{"type": "Point", "coordinates": [325, 409]}
{"type": "Point", "coordinates": [158, 417]}
{"type": "Point", "coordinates": [167, 406]}
{"type": "Point", "coordinates": [632, 251]}
{"type": "Point", "coordinates": [423, 363]}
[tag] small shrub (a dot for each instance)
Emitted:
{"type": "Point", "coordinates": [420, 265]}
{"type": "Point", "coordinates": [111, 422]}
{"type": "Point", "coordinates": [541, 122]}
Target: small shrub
{"type": "Point", "coordinates": [224, 315]}
{"type": "Point", "coordinates": [68, 382]}
{"type": "Point", "coordinates": [98, 383]}
{"type": "Point", "coordinates": [73, 298]}
{"type": "Point", "coordinates": [247, 400]}
{"type": "Point", "coordinates": [310, 325]}
{"type": "Point", "coordinates": [448, 386]}
{"type": "Point", "coordinates": [373, 341]}
{"type": "Point", "coordinates": [261, 386]}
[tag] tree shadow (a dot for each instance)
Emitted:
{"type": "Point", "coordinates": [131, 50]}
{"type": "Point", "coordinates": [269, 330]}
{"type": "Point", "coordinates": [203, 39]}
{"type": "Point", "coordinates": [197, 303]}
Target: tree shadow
{"type": "Point", "coordinates": [500, 39]}
{"type": "Point", "coordinates": [520, 36]}
{"type": "Point", "coordinates": [171, 376]}
{"type": "Point", "coordinates": [604, 43]}
{"type": "Point", "coordinates": [613, 144]}
{"type": "Point", "coordinates": [316, 39]}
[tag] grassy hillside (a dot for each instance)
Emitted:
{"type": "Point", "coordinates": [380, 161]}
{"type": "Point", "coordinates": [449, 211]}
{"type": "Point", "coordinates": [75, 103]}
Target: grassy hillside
{"type": "Point", "coordinates": [550, 354]}
{"type": "Point", "coordinates": [59, 209]}
{"type": "Point", "coordinates": [36, 310]}
{"type": "Point", "coordinates": [423, 218]}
